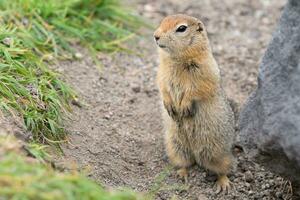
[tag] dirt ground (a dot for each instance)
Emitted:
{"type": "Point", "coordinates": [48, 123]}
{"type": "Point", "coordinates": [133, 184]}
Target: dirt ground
{"type": "Point", "coordinates": [118, 132]}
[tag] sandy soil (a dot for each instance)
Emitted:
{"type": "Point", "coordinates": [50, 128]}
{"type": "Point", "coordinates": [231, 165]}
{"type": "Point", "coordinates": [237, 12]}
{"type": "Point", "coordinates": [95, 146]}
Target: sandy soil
{"type": "Point", "coordinates": [118, 132]}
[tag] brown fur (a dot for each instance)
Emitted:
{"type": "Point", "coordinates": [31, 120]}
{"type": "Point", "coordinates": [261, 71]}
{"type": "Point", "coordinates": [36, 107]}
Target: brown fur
{"type": "Point", "coordinates": [199, 121]}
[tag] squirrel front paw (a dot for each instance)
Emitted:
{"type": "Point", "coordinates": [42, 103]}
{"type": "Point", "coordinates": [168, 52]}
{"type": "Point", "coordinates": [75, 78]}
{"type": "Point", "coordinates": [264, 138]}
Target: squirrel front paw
{"type": "Point", "coordinates": [171, 110]}
{"type": "Point", "coordinates": [189, 110]}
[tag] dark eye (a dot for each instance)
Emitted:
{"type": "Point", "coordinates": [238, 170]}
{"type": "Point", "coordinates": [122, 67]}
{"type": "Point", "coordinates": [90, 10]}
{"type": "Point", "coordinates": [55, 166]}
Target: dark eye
{"type": "Point", "coordinates": [181, 28]}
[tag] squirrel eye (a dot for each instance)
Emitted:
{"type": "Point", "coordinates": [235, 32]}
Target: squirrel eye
{"type": "Point", "coordinates": [181, 28]}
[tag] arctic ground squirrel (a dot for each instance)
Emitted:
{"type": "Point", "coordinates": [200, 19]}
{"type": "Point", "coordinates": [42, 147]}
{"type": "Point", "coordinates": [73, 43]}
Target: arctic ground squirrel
{"type": "Point", "coordinates": [198, 119]}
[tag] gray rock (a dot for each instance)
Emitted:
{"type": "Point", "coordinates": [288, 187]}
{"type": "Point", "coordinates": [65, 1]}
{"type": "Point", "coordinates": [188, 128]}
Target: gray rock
{"type": "Point", "coordinates": [270, 120]}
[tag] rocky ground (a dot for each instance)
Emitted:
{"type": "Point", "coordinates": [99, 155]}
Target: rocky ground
{"type": "Point", "coordinates": [117, 132]}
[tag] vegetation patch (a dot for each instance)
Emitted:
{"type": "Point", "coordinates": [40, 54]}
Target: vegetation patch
{"type": "Point", "coordinates": [23, 177]}
{"type": "Point", "coordinates": [33, 33]}
{"type": "Point", "coordinates": [30, 90]}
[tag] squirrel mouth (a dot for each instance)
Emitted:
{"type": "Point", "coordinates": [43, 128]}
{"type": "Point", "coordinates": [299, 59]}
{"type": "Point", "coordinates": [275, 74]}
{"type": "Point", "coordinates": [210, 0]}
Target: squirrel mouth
{"type": "Point", "coordinates": [162, 46]}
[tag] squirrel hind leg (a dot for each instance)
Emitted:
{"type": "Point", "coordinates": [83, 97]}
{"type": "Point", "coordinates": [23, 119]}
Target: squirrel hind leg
{"type": "Point", "coordinates": [180, 157]}
{"type": "Point", "coordinates": [183, 174]}
{"type": "Point", "coordinates": [221, 166]}
{"type": "Point", "coordinates": [223, 184]}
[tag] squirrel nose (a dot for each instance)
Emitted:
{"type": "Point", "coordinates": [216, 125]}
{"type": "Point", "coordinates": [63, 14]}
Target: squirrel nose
{"type": "Point", "coordinates": [156, 38]}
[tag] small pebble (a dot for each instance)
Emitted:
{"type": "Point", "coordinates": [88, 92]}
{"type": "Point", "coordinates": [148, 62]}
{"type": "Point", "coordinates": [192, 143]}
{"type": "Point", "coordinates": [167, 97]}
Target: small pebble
{"type": "Point", "coordinates": [202, 197]}
{"type": "Point", "coordinates": [247, 185]}
{"type": "Point", "coordinates": [266, 193]}
{"type": "Point", "coordinates": [271, 182]}
{"type": "Point", "coordinates": [149, 8]}
{"type": "Point", "coordinates": [278, 194]}
{"type": "Point", "coordinates": [78, 55]}
{"type": "Point", "coordinates": [107, 116]}
{"type": "Point", "coordinates": [239, 174]}
{"type": "Point", "coordinates": [248, 176]}
{"type": "Point", "coordinates": [136, 89]}
{"type": "Point", "coordinates": [25, 21]}
{"type": "Point", "coordinates": [131, 101]}
{"type": "Point", "coordinates": [76, 102]}
{"type": "Point", "coordinates": [7, 41]}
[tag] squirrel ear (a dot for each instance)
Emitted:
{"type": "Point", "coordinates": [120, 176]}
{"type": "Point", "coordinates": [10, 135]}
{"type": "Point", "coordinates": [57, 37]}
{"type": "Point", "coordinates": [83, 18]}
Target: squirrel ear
{"type": "Point", "coordinates": [200, 27]}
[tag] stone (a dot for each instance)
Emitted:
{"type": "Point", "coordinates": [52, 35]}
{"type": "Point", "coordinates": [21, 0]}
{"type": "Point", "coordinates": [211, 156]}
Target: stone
{"type": "Point", "coordinates": [248, 176]}
{"type": "Point", "coordinates": [7, 41]}
{"type": "Point", "coordinates": [78, 55]}
{"type": "Point", "coordinates": [269, 123]}
{"type": "Point", "coordinates": [136, 89]}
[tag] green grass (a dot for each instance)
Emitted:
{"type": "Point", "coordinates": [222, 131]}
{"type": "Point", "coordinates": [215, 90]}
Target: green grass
{"type": "Point", "coordinates": [35, 32]}
{"type": "Point", "coordinates": [28, 89]}
{"type": "Point", "coordinates": [159, 184]}
{"type": "Point", "coordinates": [24, 178]}
{"type": "Point", "coordinates": [49, 27]}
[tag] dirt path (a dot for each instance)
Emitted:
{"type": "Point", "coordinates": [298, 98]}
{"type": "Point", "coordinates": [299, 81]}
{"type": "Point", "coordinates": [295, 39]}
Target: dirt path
{"type": "Point", "coordinates": [119, 133]}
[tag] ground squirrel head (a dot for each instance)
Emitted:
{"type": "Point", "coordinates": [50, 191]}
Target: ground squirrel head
{"type": "Point", "coordinates": [179, 34]}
